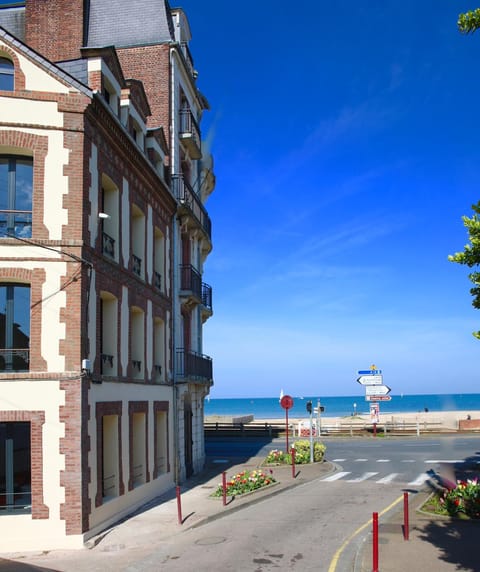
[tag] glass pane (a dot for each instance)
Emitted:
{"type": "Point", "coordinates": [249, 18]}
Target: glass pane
{"type": "Point", "coordinates": [14, 327]}
{"type": "Point", "coordinates": [22, 489]}
{"type": "Point", "coordinates": [24, 185]}
{"type": "Point", "coordinates": [3, 187]}
{"type": "Point", "coordinates": [6, 74]}
{"type": "Point", "coordinates": [15, 467]}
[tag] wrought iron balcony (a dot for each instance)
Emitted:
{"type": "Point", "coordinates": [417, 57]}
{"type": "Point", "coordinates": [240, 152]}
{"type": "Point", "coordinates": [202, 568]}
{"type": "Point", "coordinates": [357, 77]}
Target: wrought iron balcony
{"type": "Point", "coordinates": [191, 204]}
{"type": "Point", "coordinates": [16, 223]}
{"type": "Point", "coordinates": [190, 284]}
{"type": "Point", "coordinates": [190, 133]}
{"type": "Point", "coordinates": [106, 365]}
{"type": "Point", "coordinates": [192, 366]}
{"type": "Point", "coordinates": [157, 280]}
{"type": "Point", "coordinates": [206, 308]}
{"type": "Point", "coordinates": [14, 359]}
{"type": "Point", "coordinates": [108, 245]}
{"type": "Point", "coordinates": [136, 265]}
{"type": "Point", "coordinates": [207, 296]}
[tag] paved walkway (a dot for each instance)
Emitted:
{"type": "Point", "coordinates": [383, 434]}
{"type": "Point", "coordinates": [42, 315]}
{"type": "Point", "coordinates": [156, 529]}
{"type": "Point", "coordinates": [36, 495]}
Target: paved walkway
{"type": "Point", "coordinates": [435, 544]}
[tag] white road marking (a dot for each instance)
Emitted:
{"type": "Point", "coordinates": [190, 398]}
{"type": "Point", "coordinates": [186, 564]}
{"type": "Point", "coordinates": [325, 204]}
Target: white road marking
{"type": "Point", "coordinates": [388, 479]}
{"type": "Point", "coordinates": [434, 461]}
{"type": "Point", "coordinates": [337, 476]}
{"type": "Point", "coordinates": [408, 461]}
{"type": "Point", "coordinates": [420, 480]}
{"type": "Point", "coordinates": [361, 460]}
{"type": "Point", "coordinates": [364, 477]}
{"type": "Point", "coordinates": [383, 460]}
{"type": "Point", "coordinates": [338, 460]}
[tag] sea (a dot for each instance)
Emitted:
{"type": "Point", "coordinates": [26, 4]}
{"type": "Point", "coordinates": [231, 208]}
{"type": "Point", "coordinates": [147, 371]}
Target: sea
{"type": "Point", "coordinates": [270, 408]}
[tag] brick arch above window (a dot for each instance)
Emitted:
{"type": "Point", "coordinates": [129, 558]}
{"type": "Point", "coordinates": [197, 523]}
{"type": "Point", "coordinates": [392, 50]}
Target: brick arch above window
{"type": "Point", "coordinates": [19, 76]}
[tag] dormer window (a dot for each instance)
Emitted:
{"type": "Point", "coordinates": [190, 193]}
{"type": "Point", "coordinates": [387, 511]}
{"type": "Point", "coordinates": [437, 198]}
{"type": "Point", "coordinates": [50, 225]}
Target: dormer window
{"type": "Point", "coordinates": [6, 75]}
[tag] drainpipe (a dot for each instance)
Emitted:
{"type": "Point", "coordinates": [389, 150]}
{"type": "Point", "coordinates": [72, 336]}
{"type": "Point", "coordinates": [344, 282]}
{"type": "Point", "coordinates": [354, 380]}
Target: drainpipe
{"type": "Point", "coordinates": [175, 284]}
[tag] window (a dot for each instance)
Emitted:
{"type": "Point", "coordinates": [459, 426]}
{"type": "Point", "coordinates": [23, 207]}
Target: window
{"type": "Point", "coordinates": [110, 222]}
{"type": "Point", "coordinates": [15, 468]}
{"type": "Point", "coordinates": [14, 327]}
{"type": "Point", "coordinates": [6, 75]}
{"type": "Point", "coordinates": [108, 334]}
{"type": "Point", "coordinates": [110, 459]}
{"type": "Point", "coordinates": [137, 342]}
{"type": "Point", "coordinates": [161, 442]}
{"type": "Point", "coordinates": [16, 185]}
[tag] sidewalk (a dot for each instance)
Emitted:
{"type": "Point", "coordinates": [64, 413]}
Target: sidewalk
{"type": "Point", "coordinates": [436, 544]}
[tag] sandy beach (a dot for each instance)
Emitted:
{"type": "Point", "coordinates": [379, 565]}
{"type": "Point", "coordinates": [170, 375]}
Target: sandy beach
{"type": "Point", "coordinates": [442, 419]}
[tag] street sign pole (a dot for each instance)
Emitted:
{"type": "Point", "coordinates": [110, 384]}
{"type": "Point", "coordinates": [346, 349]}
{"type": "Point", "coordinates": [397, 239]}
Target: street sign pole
{"type": "Point", "coordinates": [311, 436]}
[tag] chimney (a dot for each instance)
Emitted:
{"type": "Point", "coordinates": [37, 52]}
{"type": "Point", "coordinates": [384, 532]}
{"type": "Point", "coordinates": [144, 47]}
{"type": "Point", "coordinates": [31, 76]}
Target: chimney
{"type": "Point", "coordinates": [55, 28]}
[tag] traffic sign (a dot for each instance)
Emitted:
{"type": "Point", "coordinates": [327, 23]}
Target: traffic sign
{"type": "Point", "coordinates": [286, 402]}
{"type": "Point", "coordinates": [370, 379]}
{"type": "Point", "coordinates": [369, 372]}
{"type": "Point", "coordinates": [378, 397]}
{"type": "Point", "coordinates": [377, 390]}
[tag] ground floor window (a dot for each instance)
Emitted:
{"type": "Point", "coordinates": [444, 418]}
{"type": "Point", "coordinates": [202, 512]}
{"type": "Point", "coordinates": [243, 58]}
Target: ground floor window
{"type": "Point", "coordinates": [15, 468]}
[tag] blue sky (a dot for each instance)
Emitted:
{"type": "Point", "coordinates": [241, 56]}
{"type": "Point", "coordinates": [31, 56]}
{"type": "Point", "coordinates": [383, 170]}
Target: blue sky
{"type": "Point", "coordinates": [346, 145]}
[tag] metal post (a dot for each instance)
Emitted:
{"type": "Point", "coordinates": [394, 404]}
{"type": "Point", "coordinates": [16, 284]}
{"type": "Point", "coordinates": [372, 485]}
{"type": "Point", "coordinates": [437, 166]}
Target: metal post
{"type": "Point", "coordinates": [293, 462]}
{"type": "Point", "coordinates": [311, 438]}
{"type": "Point", "coordinates": [286, 427]}
{"type": "Point", "coordinates": [224, 487]}
{"type": "Point", "coordinates": [179, 505]}
{"type": "Point", "coordinates": [375, 542]}
{"type": "Point", "coordinates": [405, 517]}
{"type": "Point", "coordinates": [319, 433]}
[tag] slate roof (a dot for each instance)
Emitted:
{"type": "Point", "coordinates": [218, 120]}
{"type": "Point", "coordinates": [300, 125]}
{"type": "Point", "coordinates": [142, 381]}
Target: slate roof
{"type": "Point", "coordinates": [125, 23]}
{"type": "Point", "coordinates": [12, 18]}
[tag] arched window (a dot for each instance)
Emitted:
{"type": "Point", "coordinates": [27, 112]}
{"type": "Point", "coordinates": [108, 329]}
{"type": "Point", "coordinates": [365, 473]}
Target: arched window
{"type": "Point", "coordinates": [6, 74]}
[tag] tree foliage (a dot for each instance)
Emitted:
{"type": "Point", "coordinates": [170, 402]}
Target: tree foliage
{"type": "Point", "coordinates": [469, 22]}
{"type": "Point", "coordinates": [471, 254]}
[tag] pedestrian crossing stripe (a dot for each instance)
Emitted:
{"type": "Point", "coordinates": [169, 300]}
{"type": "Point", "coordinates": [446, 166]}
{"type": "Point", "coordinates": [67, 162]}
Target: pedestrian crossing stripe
{"type": "Point", "coordinates": [336, 476]}
{"type": "Point", "coordinates": [388, 479]}
{"type": "Point", "coordinates": [364, 477]}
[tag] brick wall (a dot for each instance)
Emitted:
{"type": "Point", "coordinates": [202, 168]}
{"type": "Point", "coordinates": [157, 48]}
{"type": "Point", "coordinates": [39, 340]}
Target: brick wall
{"type": "Point", "coordinates": [55, 28]}
{"type": "Point", "coordinates": [150, 65]}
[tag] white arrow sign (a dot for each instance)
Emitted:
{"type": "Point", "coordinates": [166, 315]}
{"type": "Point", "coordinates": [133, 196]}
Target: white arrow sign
{"type": "Point", "coordinates": [370, 379]}
{"type": "Point", "coordinates": [377, 390]}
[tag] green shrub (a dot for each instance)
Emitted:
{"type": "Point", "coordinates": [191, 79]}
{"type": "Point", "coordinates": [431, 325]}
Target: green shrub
{"type": "Point", "coordinates": [302, 454]}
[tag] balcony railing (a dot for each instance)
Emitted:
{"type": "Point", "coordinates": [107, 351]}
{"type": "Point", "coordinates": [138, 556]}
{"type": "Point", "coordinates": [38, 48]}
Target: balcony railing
{"type": "Point", "coordinates": [106, 365]}
{"type": "Point", "coordinates": [136, 265]}
{"type": "Point", "coordinates": [16, 223]}
{"type": "Point", "coordinates": [190, 133]}
{"type": "Point", "coordinates": [14, 359]}
{"type": "Point", "coordinates": [157, 280]}
{"type": "Point", "coordinates": [190, 281]}
{"type": "Point", "coordinates": [108, 245]}
{"type": "Point", "coordinates": [194, 366]}
{"type": "Point", "coordinates": [188, 58]}
{"type": "Point", "coordinates": [187, 197]}
{"type": "Point", "coordinates": [207, 296]}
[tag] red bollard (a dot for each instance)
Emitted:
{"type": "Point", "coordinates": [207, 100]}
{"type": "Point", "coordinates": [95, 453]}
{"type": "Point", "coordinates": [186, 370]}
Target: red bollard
{"type": "Point", "coordinates": [405, 517]}
{"type": "Point", "coordinates": [375, 542]}
{"type": "Point", "coordinates": [293, 462]}
{"type": "Point", "coordinates": [224, 487]}
{"type": "Point", "coordinates": [179, 505]}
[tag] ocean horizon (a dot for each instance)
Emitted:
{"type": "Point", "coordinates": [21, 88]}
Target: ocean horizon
{"type": "Point", "coordinates": [270, 408]}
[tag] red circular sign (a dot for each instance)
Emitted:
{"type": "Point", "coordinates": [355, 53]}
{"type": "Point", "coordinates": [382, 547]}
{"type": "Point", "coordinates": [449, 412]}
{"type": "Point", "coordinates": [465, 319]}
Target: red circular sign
{"type": "Point", "coordinates": [286, 402]}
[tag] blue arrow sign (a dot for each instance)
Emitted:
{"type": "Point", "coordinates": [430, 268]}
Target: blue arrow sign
{"type": "Point", "coordinates": [370, 372]}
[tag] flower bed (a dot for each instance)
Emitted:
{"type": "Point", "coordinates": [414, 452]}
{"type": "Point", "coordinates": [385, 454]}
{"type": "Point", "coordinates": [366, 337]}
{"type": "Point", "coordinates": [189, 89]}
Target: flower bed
{"type": "Point", "coordinates": [245, 482]}
{"type": "Point", "coordinates": [463, 501]}
{"type": "Point", "coordinates": [302, 454]}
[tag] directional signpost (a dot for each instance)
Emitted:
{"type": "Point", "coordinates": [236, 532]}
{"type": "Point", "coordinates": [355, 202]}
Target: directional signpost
{"type": "Point", "coordinates": [375, 391]}
{"type": "Point", "coordinates": [370, 379]}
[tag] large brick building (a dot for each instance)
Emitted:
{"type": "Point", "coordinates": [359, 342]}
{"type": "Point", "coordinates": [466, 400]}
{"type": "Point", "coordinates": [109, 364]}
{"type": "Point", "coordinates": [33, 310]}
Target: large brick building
{"type": "Point", "coordinates": [103, 237]}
